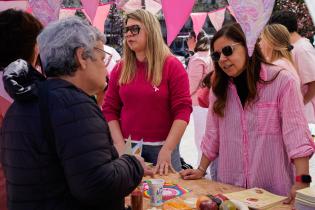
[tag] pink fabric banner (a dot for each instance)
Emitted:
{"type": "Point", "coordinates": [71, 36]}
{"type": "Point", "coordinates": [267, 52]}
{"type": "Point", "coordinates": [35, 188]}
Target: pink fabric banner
{"type": "Point", "coordinates": [22, 5]}
{"type": "Point", "coordinates": [153, 6]}
{"type": "Point", "coordinates": [90, 7]}
{"type": "Point", "coordinates": [45, 10]}
{"type": "Point", "coordinates": [252, 16]}
{"type": "Point", "coordinates": [100, 17]}
{"type": "Point", "coordinates": [231, 11]}
{"type": "Point", "coordinates": [67, 12]}
{"type": "Point", "coordinates": [217, 18]}
{"type": "Point", "coordinates": [198, 20]}
{"type": "Point", "coordinates": [176, 13]}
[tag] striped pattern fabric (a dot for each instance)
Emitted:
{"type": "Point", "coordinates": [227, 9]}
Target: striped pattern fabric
{"type": "Point", "coordinates": [255, 146]}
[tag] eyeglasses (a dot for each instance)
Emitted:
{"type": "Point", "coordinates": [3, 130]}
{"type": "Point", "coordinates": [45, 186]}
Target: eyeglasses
{"type": "Point", "coordinates": [108, 56]}
{"type": "Point", "coordinates": [134, 29]}
{"type": "Point", "coordinates": [226, 51]}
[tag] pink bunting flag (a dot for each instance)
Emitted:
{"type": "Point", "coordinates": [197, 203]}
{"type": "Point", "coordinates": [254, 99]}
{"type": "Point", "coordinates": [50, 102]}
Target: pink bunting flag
{"type": "Point", "coordinates": [67, 12]}
{"type": "Point", "coordinates": [231, 11]}
{"type": "Point", "coordinates": [100, 17]}
{"type": "Point", "coordinates": [217, 18]}
{"type": "Point", "coordinates": [176, 13]}
{"type": "Point", "coordinates": [198, 20]}
{"type": "Point", "coordinates": [90, 7]}
{"type": "Point", "coordinates": [20, 5]}
{"type": "Point", "coordinates": [45, 10]}
{"type": "Point", "coordinates": [153, 6]}
{"type": "Point", "coordinates": [252, 16]}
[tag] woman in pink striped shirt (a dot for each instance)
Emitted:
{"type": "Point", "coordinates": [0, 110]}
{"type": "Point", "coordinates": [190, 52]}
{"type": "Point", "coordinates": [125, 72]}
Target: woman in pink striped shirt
{"type": "Point", "coordinates": [255, 127]}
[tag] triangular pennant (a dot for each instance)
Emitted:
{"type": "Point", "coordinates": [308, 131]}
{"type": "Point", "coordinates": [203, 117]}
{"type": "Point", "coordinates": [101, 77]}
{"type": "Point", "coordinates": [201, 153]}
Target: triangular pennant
{"type": "Point", "coordinates": [176, 13]}
{"type": "Point", "coordinates": [67, 12]}
{"type": "Point", "coordinates": [22, 5]}
{"type": "Point", "coordinates": [198, 20]}
{"type": "Point", "coordinates": [252, 16]}
{"type": "Point", "coordinates": [45, 10]}
{"type": "Point", "coordinates": [217, 18]}
{"type": "Point", "coordinates": [90, 7]}
{"type": "Point", "coordinates": [153, 6]}
{"type": "Point", "coordinates": [230, 10]}
{"type": "Point", "coordinates": [100, 17]}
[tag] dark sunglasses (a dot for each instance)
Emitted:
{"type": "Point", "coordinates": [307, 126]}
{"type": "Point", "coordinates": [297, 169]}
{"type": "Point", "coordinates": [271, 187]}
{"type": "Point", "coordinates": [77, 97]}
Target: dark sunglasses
{"type": "Point", "coordinates": [226, 51]}
{"type": "Point", "coordinates": [134, 29]}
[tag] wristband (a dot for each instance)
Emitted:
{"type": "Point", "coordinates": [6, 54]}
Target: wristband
{"type": "Point", "coordinates": [304, 179]}
{"type": "Point", "coordinates": [200, 168]}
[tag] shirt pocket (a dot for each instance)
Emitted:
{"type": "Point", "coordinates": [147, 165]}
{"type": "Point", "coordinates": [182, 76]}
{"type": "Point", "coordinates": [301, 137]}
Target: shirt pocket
{"type": "Point", "coordinates": [268, 119]}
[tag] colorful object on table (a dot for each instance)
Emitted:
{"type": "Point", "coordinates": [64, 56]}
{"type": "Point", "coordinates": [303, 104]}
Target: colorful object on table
{"type": "Point", "coordinates": [252, 16]}
{"type": "Point", "coordinates": [45, 10]}
{"type": "Point", "coordinates": [169, 191]}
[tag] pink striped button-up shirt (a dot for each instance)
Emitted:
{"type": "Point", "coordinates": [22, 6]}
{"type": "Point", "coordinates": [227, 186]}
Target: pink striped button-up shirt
{"type": "Point", "coordinates": [255, 146]}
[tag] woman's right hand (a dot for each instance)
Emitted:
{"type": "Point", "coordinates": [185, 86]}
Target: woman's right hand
{"type": "Point", "coordinates": [191, 174]}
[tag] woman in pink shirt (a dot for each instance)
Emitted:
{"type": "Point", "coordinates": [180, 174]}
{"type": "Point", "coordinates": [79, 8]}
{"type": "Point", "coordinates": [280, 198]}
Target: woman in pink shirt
{"type": "Point", "coordinates": [255, 124]}
{"type": "Point", "coordinates": [199, 65]}
{"type": "Point", "coordinates": [148, 94]}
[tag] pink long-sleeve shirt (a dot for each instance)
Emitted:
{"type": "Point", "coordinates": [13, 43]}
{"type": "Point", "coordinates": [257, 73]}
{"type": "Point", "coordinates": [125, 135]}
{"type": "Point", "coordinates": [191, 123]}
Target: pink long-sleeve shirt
{"type": "Point", "coordinates": [145, 111]}
{"type": "Point", "coordinates": [255, 146]}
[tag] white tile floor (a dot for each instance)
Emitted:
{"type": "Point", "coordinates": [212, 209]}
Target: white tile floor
{"type": "Point", "coordinates": [189, 152]}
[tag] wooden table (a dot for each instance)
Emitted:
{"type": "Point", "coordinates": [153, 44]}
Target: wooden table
{"type": "Point", "coordinates": [201, 187]}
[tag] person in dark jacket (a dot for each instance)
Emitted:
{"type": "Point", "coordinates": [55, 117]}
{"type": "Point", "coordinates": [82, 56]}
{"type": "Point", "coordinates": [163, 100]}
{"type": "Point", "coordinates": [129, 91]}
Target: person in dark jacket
{"type": "Point", "coordinates": [76, 166]}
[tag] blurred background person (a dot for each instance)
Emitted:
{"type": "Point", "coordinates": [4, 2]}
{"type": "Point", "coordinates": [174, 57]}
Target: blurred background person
{"type": "Point", "coordinates": [18, 32]}
{"type": "Point", "coordinates": [148, 95]}
{"type": "Point", "coordinates": [199, 65]}
{"type": "Point", "coordinates": [303, 54]}
{"type": "Point", "coordinates": [55, 143]}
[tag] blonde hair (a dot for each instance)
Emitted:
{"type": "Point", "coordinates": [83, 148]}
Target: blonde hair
{"type": "Point", "coordinates": [278, 37]}
{"type": "Point", "coordinates": [156, 50]}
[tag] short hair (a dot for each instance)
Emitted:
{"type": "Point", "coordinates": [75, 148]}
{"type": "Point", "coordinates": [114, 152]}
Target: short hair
{"type": "Point", "coordinates": [18, 32]}
{"type": "Point", "coordinates": [59, 41]}
{"type": "Point", "coordinates": [286, 18]}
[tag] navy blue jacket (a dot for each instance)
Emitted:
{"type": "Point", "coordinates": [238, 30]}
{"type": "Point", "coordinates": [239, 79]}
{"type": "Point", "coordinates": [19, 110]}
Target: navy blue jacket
{"type": "Point", "coordinates": [81, 171]}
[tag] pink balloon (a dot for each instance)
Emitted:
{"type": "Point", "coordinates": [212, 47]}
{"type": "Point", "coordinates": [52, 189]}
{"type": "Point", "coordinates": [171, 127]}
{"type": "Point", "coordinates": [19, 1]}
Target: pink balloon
{"type": "Point", "coordinates": [252, 16]}
{"type": "Point", "coordinates": [198, 20]}
{"type": "Point", "coordinates": [176, 12]}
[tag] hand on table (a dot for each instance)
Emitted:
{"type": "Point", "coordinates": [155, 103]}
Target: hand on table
{"type": "Point", "coordinates": [294, 188]}
{"type": "Point", "coordinates": [147, 170]}
{"type": "Point", "coordinates": [191, 174]}
{"type": "Point", "coordinates": [164, 162]}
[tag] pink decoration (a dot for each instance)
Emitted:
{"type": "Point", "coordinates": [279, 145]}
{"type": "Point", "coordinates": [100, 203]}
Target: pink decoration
{"type": "Point", "coordinates": [45, 10]}
{"type": "Point", "coordinates": [198, 20]}
{"type": "Point", "coordinates": [176, 12]}
{"type": "Point", "coordinates": [153, 6]}
{"type": "Point", "coordinates": [252, 16]}
{"type": "Point", "coordinates": [217, 18]}
{"type": "Point", "coordinates": [90, 7]}
{"type": "Point", "coordinates": [231, 11]}
{"type": "Point", "coordinates": [22, 5]}
{"type": "Point", "coordinates": [67, 12]}
{"type": "Point", "coordinates": [100, 17]}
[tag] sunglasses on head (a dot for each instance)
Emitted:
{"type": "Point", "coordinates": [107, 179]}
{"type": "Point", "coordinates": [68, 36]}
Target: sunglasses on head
{"type": "Point", "coordinates": [134, 29]}
{"type": "Point", "coordinates": [226, 51]}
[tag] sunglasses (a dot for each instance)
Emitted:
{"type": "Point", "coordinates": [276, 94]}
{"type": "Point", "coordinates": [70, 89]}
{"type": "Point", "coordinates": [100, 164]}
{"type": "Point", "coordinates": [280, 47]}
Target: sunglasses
{"type": "Point", "coordinates": [226, 51]}
{"type": "Point", "coordinates": [108, 56]}
{"type": "Point", "coordinates": [134, 29]}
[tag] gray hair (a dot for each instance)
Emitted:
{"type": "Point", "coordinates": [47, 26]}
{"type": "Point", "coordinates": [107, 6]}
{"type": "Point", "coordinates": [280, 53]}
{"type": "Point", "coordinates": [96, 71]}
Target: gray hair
{"type": "Point", "coordinates": [59, 41]}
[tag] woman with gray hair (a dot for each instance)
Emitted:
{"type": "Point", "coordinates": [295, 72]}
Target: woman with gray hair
{"type": "Point", "coordinates": [56, 147]}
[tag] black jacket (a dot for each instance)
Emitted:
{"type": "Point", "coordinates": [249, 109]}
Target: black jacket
{"type": "Point", "coordinates": [81, 170]}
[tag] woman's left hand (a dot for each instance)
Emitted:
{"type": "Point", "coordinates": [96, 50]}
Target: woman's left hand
{"type": "Point", "coordinates": [294, 188]}
{"type": "Point", "coordinates": [164, 162]}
